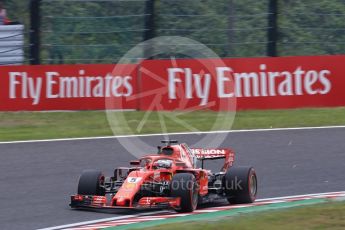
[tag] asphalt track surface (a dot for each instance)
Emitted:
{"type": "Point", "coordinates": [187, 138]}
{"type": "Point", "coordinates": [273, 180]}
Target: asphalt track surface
{"type": "Point", "coordinates": [37, 178]}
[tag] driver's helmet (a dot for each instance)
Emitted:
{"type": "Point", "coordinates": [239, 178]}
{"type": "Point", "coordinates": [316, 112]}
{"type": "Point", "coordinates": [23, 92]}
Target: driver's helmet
{"type": "Point", "coordinates": [145, 163]}
{"type": "Point", "coordinates": [162, 164]}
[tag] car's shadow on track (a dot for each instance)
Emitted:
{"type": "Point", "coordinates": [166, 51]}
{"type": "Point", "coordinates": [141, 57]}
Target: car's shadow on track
{"type": "Point", "coordinates": [117, 211]}
{"type": "Point", "coordinates": [219, 203]}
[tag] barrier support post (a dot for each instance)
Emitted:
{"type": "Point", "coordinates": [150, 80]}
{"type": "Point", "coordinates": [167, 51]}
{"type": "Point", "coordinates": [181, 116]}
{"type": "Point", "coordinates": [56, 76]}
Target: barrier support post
{"type": "Point", "coordinates": [35, 24]}
{"type": "Point", "coordinates": [150, 28]}
{"type": "Point", "coordinates": [272, 31]}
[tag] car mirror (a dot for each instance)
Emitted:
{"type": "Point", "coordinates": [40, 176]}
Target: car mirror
{"type": "Point", "coordinates": [180, 164]}
{"type": "Point", "coordinates": [134, 163]}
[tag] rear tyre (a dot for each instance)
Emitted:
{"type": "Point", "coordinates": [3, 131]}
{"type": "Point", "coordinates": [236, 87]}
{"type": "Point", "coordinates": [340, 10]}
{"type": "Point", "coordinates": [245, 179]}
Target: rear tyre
{"type": "Point", "coordinates": [184, 185]}
{"type": "Point", "coordinates": [240, 184]}
{"type": "Point", "coordinates": [90, 183]}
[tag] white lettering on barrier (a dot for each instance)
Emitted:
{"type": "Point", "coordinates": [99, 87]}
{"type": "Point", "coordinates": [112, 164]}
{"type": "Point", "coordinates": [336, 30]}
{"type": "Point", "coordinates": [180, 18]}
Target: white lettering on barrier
{"type": "Point", "coordinates": [201, 82]}
{"type": "Point", "coordinates": [221, 79]}
{"type": "Point", "coordinates": [172, 72]}
{"type": "Point", "coordinates": [325, 81]}
{"type": "Point", "coordinates": [29, 87]}
{"type": "Point", "coordinates": [202, 92]}
{"type": "Point", "coordinates": [128, 86]}
{"type": "Point", "coordinates": [249, 84]}
{"type": "Point", "coordinates": [285, 87]}
{"type": "Point", "coordinates": [229, 84]}
{"type": "Point", "coordinates": [22, 86]}
{"type": "Point", "coordinates": [50, 83]}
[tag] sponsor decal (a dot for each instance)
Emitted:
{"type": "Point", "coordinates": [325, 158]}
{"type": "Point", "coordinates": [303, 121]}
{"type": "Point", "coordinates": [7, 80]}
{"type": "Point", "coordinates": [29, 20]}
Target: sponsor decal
{"type": "Point", "coordinates": [254, 83]}
{"type": "Point", "coordinates": [261, 83]}
{"type": "Point", "coordinates": [65, 87]}
{"type": "Point", "coordinates": [209, 153]}
{"type": "Point", "coordinates": [22, 86]}
{"type": "Point", "coordinates": [133, 180]}
{"type": "Point", "coordinates": [129, 186]}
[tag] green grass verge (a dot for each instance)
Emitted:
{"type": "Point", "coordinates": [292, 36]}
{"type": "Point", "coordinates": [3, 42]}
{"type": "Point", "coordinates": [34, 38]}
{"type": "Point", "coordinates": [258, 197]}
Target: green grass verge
{"type": "Point", "coordinates": [47, 125]}
{"type": "Point", "coordinates": [330, 215]}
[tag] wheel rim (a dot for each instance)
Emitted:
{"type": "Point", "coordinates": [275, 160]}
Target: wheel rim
{"type": "Point", "coordinates": [253, 185]}
{"type": "Point", "coordinates": [100, 188]}
{"type": "Point", "coordinates": [194, 197]}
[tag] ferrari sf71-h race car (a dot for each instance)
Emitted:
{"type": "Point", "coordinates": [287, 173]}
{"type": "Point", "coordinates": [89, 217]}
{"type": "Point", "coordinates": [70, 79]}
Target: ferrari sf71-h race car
{"type": "Point", "coordinates": [171, 179]}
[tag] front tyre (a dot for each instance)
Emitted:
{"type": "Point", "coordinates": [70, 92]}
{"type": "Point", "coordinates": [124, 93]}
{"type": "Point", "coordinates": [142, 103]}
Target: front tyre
{"type": "Point", "coordinates": [184, 185]}
{"type": "Point", "coordinates": [240, 185]}
{"type": "Point", "coordinates": [90, 183]}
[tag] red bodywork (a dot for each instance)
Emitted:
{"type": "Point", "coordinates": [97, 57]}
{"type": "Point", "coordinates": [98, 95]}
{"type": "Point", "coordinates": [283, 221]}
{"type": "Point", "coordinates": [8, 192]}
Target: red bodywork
{"type": "Point", "coordinates": [183, 159]}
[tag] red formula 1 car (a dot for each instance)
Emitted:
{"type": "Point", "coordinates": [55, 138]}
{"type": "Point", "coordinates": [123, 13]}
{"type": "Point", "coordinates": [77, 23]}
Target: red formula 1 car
{"type": "Point", "coordinates": [168, 179]}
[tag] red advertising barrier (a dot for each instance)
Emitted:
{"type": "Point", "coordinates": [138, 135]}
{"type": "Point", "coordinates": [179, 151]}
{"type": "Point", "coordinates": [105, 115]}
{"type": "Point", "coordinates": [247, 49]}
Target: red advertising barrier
{"type": "Point", "coordinates": [66, 87]}
{"type": "Point", "coordinates": [216, 84]}
{"type": "Point", "coordinates": [256, 83]}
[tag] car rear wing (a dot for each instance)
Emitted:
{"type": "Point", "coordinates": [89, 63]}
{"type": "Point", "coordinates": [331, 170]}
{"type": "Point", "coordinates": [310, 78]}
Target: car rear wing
{"type": "Point", "coordinates": [214, 154]}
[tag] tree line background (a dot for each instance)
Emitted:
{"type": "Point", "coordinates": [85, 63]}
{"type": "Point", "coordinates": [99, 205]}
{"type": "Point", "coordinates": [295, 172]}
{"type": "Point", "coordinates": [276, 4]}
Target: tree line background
{"type": "Point", "coordinates": [101, 31]}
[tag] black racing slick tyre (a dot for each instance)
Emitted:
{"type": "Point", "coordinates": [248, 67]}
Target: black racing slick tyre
{"type": "Point", "coordinates": [90, 183]}
{"type": "Point", "coordinates": [184, 185]}
{"type": "Point", "coordinates": [240, 185]}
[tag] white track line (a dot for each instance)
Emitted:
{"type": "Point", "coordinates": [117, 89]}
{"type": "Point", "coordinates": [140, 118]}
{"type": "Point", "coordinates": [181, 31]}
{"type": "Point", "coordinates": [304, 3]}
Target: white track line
{"type": "Point", "coordinates": [313, 195]}
{"type": "Point", "coordinates": [299, 196]}
{"type": "Point", "coordinates": [178, 133]}
{"type": "Point", "coordinates": [99, 221]}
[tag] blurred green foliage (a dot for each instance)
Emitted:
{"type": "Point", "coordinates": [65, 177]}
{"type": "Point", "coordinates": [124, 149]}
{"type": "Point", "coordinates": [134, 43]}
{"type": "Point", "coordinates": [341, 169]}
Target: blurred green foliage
{"type": "Point", "coordinates": [103, 31]}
